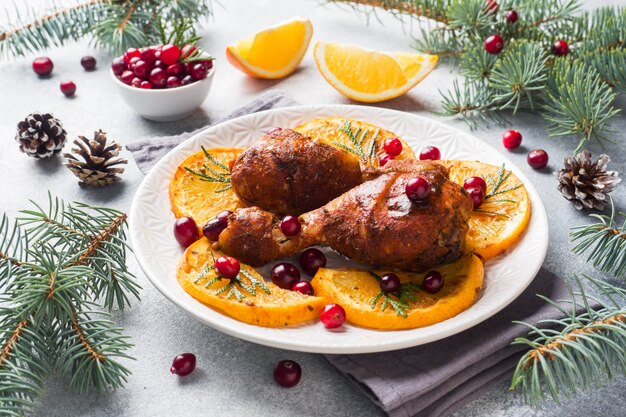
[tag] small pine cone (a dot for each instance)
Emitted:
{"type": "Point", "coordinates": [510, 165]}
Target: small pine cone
{"type": "Point", "coordinates": [586, 183]}
{"type": "Point", "coordinates": [40, 135]}
{"type": "Point", "coordinates": [98, 165]}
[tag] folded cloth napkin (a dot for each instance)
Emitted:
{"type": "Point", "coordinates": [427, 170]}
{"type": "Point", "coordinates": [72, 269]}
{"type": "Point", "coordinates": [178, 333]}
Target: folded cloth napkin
{"type": "Point", "coordinates": [147, 151]}
{"type": "Point", "coordinates": [428, 380]}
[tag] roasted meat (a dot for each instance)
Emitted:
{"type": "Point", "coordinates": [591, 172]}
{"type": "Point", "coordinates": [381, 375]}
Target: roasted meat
{"type": "Point", "coordinates": [287, 173]}
{"type": "Point", "coordinates": [373, 223]}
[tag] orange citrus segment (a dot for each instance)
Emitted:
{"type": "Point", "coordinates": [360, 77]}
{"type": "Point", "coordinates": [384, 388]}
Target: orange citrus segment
{"type": "Point", "coordinates": [274, 52]}
{"type": "Point", "coordinates": [357, 292]}
{"type": "Point", "coordinates": [268, 305]}
{"type": "Point", "coordinates": [371, 76]}
{"type": "Point", "coordinates": [500, 221]}
{"type": "Point", "coordinates": [339, 131]}
{"type": "Point", "coordinates": [202, 196]}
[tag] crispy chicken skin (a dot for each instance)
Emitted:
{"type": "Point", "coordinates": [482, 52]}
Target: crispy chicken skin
{"type": "Point", "coordinates": [373, 223]}
{"type": "Point", "coordinates": [287, 173]}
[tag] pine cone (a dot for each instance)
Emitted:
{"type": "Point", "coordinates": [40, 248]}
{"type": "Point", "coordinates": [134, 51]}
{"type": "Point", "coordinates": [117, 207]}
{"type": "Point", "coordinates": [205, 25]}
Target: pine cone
{"type": "Point", "coordinates": [98, 165]}
{"type": "Point", "coordinates": [40, 135]}
{"type": "Point", "coordinates": [587, 183]}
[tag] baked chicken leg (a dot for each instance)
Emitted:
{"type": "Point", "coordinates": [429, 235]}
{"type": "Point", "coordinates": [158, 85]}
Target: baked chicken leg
{"type": "Point", "coordinates": [373, 223]}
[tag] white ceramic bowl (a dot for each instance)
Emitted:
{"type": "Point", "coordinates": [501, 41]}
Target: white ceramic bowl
{"type": "Point", "coordinates": [168, 104]}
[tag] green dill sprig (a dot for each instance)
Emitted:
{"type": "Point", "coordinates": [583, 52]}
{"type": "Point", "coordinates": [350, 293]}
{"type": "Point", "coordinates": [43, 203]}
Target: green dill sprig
{"type": "Point", "coordinates": [233, 285]}
{"type": "Point", "coordinates": [605, 241]}
{"type": "Point", "coordinates": [219, 172]}
{"type": "Point", "coordinates": [358, 138]}
{"type": "Point", "coordinates": [400, 301]}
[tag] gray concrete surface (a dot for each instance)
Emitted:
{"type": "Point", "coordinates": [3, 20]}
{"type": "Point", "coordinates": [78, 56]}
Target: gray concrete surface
{"type": "Point", "coordinates": [233, 376]}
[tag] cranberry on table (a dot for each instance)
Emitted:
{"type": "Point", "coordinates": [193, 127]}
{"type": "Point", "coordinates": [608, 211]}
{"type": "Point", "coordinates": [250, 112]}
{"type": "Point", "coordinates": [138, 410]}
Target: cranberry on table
{"type": "Point", "coordinates": [183, 364]}
{"type": "Point", "coordinates": [511, 16]}
{"type": "Point", "coordinates": [494, 44]}
{"type": "Point", "coordinates": [287, 373]}
{"type": "Point", "coordinates": [42, 65]}
{"type": "Point", "coordinates": [88, 62]}
{"type": "Point", "coordinates": [304, 287]}
{"type": "Point", "coordinates": [333, 316]}
{"type": "Point", "coordinates": [477, 195]}
{"type": "Point", "coordinates": [312, 259]}
{"type": "Point", "coordinates": [227, 267]}
{"type": "Point", "coordinates": [213, 228]}
{"type": "Point", "coordinates": [389, 283]}
{"type": "Point", "coordinates": [131, 53]}
{"type": "Point", "coordinates": [186, 231]}
{"type": "Point", "coordinates": [158, 77]}
{"type": "Point", "coordinates": [118, 66]}
{"type": "Point", "coordinates": [417, 189]}
{"type": "Point", "coordinates": [430, 153]}
{"type": "Point", "coordinates": [145, 84]}
{"type": "Point", "coordinates": [169, 54]}
{"type": "Point", "coordinates": [512, 139]}
{"type": "Point", "coordinates": [537, 158]}
{"type": "Point", "coordinates": [433, 282]}
{"type": "Point", "coordinates": [383, 159]}
{"type": "Point", "coordinates": [290, 225]}
{"type": "Point", "coordinates": [393, 146]}
{"type": "Point", "coordinates": [475, 182]}
{"type": "Point", "coordinates": [560, 48]}
{"type": "Point", "coordinates": [68, 88]}
{"type": "Point", "coordinates": [285, 275]}
{"type": "Point", "coordinates": [199, 71]}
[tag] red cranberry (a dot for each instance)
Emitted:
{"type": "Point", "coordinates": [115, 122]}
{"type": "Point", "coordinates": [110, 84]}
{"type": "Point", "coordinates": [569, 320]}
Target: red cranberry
{"type": "Point", "coordinates": [68, 88]}
{"type": "Point", "coordinates": [475, 182]}
{"type": "Point", "coordinates": [417, 189]}
{"type": "Point", "coordinates": [223, 215]}
{"type": "Point", "coordinates": [169, 54]}
{"type": "Point", "coordinates": [312, 259]}
{"type": "Point", "coordinates": [511, 16]}
{"type": "Point", "coordinates": [287, 373]}
{"type": "Point", "coordinates": [133, 61]}
{"type": "Point", "coordinates": [393, 146]}
{"type": "Point", "coordinates": [430, 153]}
{"type": "Point", "coordinates": [560, 48]}
{"type": "Point", "coordinates": [174, 69]}
{"type": "Point", "coordinates": [492, 6]}
{"type": "Point", "coordinates": [187, 51]}
{"type": "Point", "coordinates": [199, 71]}
{"type": "Point", "coordinates": [477, 195]}
{"type": "Point", "coordinates": [146, 85]}
{"type": "Point", "coordinates": [333, 316]}
{"type": "Point", "coordinates": [213, 229]}
{"type": "Point", "coordinates": [494, 44]}
{"type": "Point", "coordinates": [118, 66]}
{"type": "Point", "coordinates": [88, 62]}
{"type": "Point", "coordinates": [274, 130]}
{"type": "Point", "coordinates": [537, 158]}
{"type": "Point", "coordinates": [389, 282]}
{"type": "Point", "coordinates": [158, 77]}
{"type": "Point", "coordinates": [433, 281]}
{"type": "Point", "coordinates": [285, 275]}
{"type": "Point", "coordinates": [227, 267]}
{"type": "Point", "coordinates": [512, 139]}
{"type": "Point", "coordinates": [173, 82]}
{"type": "Point", "coordinates": [208, 64]}
{"type": "Point", "coordinates": [304, 287]}
{"type": "Point", "coordinates": [188, 79]}
{"type": "Point", "coordinates": [186, 231]}
{"type": "Point", "coordinates": [159, 64]}
{"type": "Point", "coordinates": [127, 76]}
{"type": "Point", "coordinates": [136, 82]}
{"type": "Point", "coordinates": [290, 225]}
{"type": "Point", "coordinates": [141, 69]}
{"type": "Point", "coordinates": [148, 55]}
{"type": "Point", "coordinates": [183, 364]}
{"type": "Point", "coordinates": [382, 160]}
{"type": "Point", "coordinates": [130, 54]}
{"type": "Point", "coordinates": [42, 65]}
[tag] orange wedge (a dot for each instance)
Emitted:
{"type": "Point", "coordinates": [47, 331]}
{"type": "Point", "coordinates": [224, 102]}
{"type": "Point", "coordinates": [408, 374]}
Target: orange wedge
{"type": "Point", "coordinates": [206, 191]}
{"type": "Point", "coordinates": [274, 52]}
{"type": "Point", "coordinates": [255, 302]}
{"type": "Point", "coordinates": [358, 292]}
{"type": "Point", "coordinates": [371, 76]}
{"type": "Point", "coordinates": [362, 139]}
{"type": "Point", "coordinates": [500, 221]}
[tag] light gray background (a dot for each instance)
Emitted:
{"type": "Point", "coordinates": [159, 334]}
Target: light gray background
{"type": "Point", "coordinates": [233, 377]}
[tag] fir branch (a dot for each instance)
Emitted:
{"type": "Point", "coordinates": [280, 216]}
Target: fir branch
{"type": "Point", "coordinates": [218, 172]}
{"type": "Point", "coordinates": [475, 103]}
{"type": "Point", "coordinates": [400, 301]}
{"type": "Point", "coordinates": [431, 9]}
{"type": "Point", "coordinates": [358, 138]}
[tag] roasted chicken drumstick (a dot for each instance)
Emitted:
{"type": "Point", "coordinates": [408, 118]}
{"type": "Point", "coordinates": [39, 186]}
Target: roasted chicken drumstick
{"type": "Point", "coordinates": [373, 223]}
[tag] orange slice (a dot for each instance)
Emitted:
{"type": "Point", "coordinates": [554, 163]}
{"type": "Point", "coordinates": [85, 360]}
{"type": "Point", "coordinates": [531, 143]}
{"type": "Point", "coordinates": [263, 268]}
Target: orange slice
{"type": "Point", "coordinates": [358, 292]}
{"type": "Point", "coordinates": [371, 76]}
{"type": "Point", "coordinates": [500, 221]}
{"type": "Point", "coordinates": [266, 305]}
{"type": "Point", "coordinates": [274, 52]}
{"type": "Point", "coordinates": [362, 139]}
{"type": "Point", "coordinates": [207, 192]}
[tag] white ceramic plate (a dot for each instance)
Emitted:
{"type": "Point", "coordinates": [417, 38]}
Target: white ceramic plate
{"type": "Point", "coordinates": [151, 222]}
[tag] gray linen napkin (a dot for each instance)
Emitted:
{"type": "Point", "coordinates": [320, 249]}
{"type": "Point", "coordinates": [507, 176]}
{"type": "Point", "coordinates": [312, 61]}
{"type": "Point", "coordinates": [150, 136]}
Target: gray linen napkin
{"type": "Point", "coordinates": [429, 380]}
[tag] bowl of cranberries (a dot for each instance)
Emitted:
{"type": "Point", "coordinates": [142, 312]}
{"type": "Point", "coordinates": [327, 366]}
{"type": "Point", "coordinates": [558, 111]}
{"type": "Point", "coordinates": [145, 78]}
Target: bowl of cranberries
{"type": "Point", "coordinates": [164, 82]}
